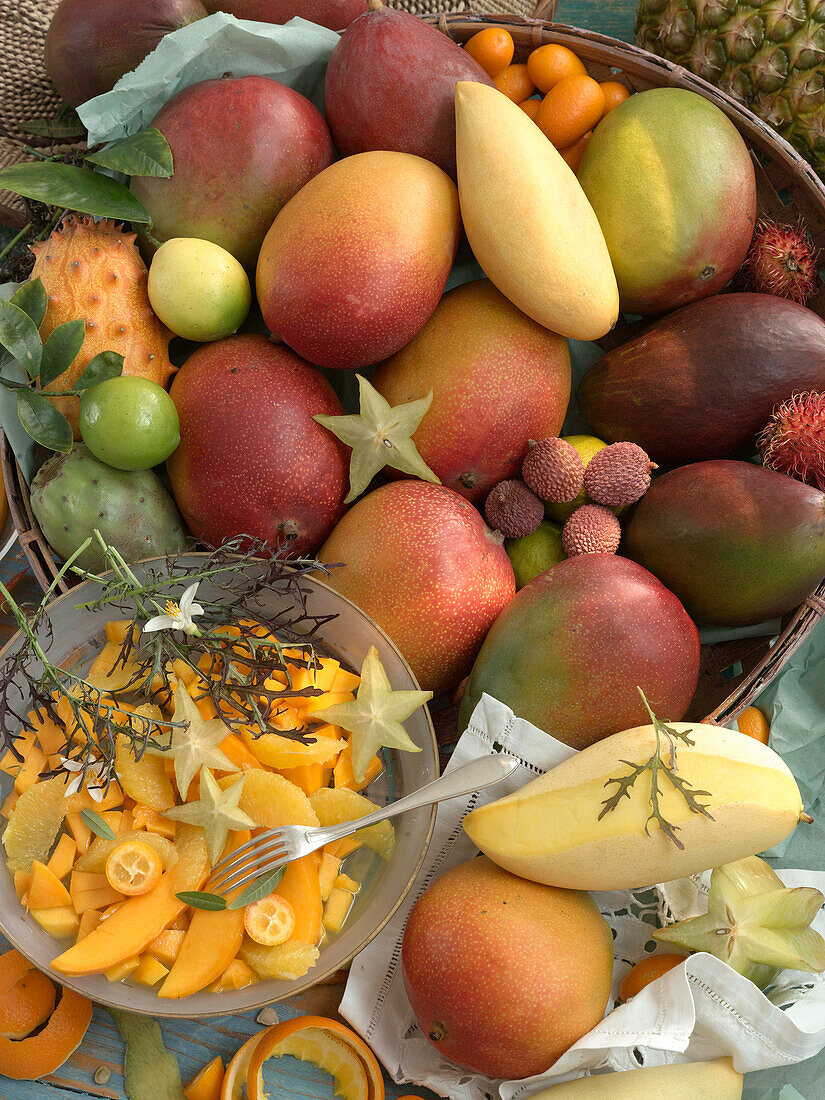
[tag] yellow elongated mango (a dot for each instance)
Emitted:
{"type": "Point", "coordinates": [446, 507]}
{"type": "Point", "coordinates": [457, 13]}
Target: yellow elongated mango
{"type": "Point", "coordinates": [558, 829]}
{"type": "Point", "coordinates": [684, 1081]}
{"type": "Point", "coordinates": [528, 221]}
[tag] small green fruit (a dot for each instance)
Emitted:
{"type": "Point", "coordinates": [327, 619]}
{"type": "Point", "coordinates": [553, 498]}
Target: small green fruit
{"type": "Point", "coordinates": [535, 553]}
{"type": "Point", "coordinates": [198, 289]}
{"type": "Point", "coordinates": [129, 423]}
{"type": "Point", "coordinates": [587, 446]}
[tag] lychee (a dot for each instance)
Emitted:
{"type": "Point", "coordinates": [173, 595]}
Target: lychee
{"type": "Point", "coordinates": [618, 475]}
{"type": "Point", "coordinates": [793, 442]}
{"type": "Point", "coordinates": [592, 529]}
{"type": "Point", "coordinates": [512, 509]}
{"type": "Point", "coordinates": [553, 470]}
{"type": "Point", "coordinates": [782, 260]}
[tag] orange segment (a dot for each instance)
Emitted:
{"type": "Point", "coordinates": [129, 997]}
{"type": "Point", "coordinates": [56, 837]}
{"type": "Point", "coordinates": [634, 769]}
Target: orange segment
{"type": "Point", "coordinates": [206, 1084]}
{"type": "Point", "coordinates": [270, 921]}
{"type": "Point", "coordinates": [26, 996]}
{"type": "Point", "coordinates": [133, 868]}
{"type": "Point", "coordinates": [30, 1059]}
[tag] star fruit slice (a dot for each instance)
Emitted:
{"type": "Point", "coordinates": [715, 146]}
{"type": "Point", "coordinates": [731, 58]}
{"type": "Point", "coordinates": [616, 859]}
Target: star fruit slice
{"type": "Point", "coordinates": [754, 923]}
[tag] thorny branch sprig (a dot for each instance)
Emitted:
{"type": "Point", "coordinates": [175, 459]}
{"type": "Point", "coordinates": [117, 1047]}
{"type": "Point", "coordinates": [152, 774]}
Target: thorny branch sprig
{"type": "Point", "coordinates": [666, 741]}
{"type": "Point", "coordinates": [238, 642]}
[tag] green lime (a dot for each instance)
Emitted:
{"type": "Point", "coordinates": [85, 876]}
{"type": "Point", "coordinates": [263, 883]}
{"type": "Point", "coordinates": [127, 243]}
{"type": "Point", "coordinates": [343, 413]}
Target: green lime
{"type": "Point", "coordinates": [535, 553]}
{"type": "Point", "coordinates": [129, 422]}
{"type": "Point", "coordinates": [587, 446]}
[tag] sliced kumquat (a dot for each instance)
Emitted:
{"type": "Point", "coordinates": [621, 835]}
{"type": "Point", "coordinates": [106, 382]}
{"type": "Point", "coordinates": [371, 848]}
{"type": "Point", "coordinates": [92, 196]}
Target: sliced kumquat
{"type": "Point", "coordinates": [270, 921]}
{"type": "Point", "coordinates": [133, 868]}
{"type": "Point", "coordinates": [645, 972]}
{"type": "Point", "coordinates": [614, 94]}
{"type": "Point", "coordinates": [492, 48]}
{"type": "Point", "coordinates": [515, 83]}
{"type": "Point", "coordinates": [753, 723]}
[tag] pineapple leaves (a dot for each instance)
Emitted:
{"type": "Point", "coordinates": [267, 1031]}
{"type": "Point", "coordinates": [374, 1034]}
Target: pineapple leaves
{"type": "Point", "coordinates": [143, 154]}
{"type": "Point", "coordinates": [61, 349]}
{"type": "Point", "coordinates": [71, 188]}
{"type": "Point", "coordinates": [44, 423]}
{"type": "Point", "coordinates": [106, 365]}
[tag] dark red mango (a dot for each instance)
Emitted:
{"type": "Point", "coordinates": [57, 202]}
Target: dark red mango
{"type": "Point", "coordinates": [335, 14]}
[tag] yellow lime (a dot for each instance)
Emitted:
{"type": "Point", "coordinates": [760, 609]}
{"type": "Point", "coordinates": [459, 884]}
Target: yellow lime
{"type": "Point", "coordinates": [535, 553]}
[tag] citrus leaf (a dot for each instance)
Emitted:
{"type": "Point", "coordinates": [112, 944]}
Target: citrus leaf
{"type": "Point", "coordinates": [150, 1071]}
{"type": "Point", "coordinates": [258, 889]}
{"type": "Point", "coordinates": [31, 298]}
{"type": "Point", "coordinates": [199, 899]}
{"type": "Point", "coordinates": [44, 423]}
{"type": "Point", "coordinates": [80, 189]}
{"type": "Point", "coordinates": [96, 823]}
{"type": "Point", "coordinates": [61, 349]}
{"type": "Point", "coordinates": [19, 335]}
{"type": "Point", "coordinates": [143, 154]}
{"type": "Point", "coordinates": [65, 124]}
{"type": "Point", "coordinates": [105, 365]}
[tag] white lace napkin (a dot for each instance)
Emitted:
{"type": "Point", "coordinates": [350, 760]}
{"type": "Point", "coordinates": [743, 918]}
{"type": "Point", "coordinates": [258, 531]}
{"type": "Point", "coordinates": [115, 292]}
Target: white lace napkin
{"type": "Point", "coordinates": [700, 1011]}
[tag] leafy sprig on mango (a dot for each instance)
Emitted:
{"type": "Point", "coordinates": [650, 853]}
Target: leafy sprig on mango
{"type": "Point", "coordinates": [656, 764]}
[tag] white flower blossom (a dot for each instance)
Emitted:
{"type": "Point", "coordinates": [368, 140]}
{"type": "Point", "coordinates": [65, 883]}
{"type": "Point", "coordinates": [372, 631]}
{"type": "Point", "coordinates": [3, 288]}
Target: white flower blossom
{"type": "Point", "coordinates": [95, 771]}
{"type": "Point", "coordinates": [179, 616]}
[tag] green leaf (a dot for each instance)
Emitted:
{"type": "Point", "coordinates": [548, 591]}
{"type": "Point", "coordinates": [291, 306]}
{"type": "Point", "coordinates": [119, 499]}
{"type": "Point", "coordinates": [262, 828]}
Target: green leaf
{"type": "Point", "coordinates": [19, 335]}
{"type": "Point", "coordinates": [258, 889]}
{"type": "Point", "coordinates": [61, 349]}
{"type": "Point", "coordinates": [199, 899]}
{"type": "Point", "coordinates": [150, 1071]}
{"type": "Point", "coordinates": [65, 124]}
{"type": "Point", "coordinates": [105, 365]}
{"type": "Point", "coordinates": [143, 154]}
{"type": "Point", "coordinates": [80, 189]}
{"type": "Point", "coordinates": [96, 823]}
{"type": "Point", "coordinates": [31, 298]}
{"type": "Point", "coordinates": [44, 423]}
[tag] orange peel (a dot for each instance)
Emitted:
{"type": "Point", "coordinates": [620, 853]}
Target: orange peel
{"type": "Point", "coordinates": [34, 1057]}
{"type": "Point", "coordinates": [26, 996]}
{"type": "Point", "coordinates": [270, 1040]}
{"type": "Point", "coordinates": [235, 1077]}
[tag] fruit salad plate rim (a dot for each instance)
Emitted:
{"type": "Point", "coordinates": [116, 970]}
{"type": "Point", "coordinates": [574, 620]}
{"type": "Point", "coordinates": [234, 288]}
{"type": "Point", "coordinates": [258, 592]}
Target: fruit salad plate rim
{"type": "Point", "coordinates": [22, 932]}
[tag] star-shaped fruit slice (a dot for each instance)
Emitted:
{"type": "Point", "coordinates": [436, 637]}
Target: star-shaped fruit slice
{"type": "Point", "coordinates": [216, 812]}
{"type": "Point", "coordinates": [374, 717]}
{"type": "Point", "coordinates": [754, 923]}
{"type": "Point", "coordinates": [195, 744]}
{"type": "Point", "coordinates": [380, 435]}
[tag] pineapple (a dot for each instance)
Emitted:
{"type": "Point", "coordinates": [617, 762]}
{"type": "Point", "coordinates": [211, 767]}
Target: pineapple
{"type": "Point", "coordinates": [769, 56]}
{"type": "Point", "coordinates": [94, 270]}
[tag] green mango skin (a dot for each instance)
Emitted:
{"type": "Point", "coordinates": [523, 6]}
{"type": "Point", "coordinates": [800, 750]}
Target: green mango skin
{"type": "Point", "coordinates": [737, 543]}
{"type": "Point", "coordinates": [673, 186]}
{"type": "Point", "coordinates": [570, 651]}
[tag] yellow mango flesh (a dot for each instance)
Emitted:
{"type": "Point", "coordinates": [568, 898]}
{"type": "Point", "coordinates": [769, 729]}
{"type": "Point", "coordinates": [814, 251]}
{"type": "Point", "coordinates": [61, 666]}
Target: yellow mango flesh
{"type": "Point", "coordinates": [686, 1081]}
{"type": "Point", "coordinates": [46, 891]}
{"type": "Point", "coordinates": [550, 831]}
{"type": "Point", "coordinates": [140, 919]}
{"type": "Point", "coordinates": [59, 923]}
{"type": "Point", "coordinates": [301, 887]}
{"type": "Point", "coordinates": [210, 943]}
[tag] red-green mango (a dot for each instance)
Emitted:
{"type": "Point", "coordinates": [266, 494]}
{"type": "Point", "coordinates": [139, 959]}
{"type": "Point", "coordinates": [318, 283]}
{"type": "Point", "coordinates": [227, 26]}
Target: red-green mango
{"type": "Point", "coordinates": [335, 14]}
{"type": "Point", "coordinates": [571, 651]}
{"type": "Point", "coordinates": [702, 382]}
{"type": "Point", "coordinates": [736, 542]}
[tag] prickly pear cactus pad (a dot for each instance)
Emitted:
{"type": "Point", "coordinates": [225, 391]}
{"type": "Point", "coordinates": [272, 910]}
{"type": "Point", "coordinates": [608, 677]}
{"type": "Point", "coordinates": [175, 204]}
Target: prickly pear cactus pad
{"type": "Point", "coordinates": [767, 56]}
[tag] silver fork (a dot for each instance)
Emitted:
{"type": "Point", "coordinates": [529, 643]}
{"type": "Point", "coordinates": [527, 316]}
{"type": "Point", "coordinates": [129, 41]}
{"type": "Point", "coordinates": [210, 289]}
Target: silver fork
{"type": "Point", "coordinates": [277, 847]}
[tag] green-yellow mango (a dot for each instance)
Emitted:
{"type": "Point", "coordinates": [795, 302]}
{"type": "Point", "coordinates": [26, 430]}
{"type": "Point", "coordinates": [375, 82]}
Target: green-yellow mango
{"type": "Point", "coordinates": [682, 1081]}
{"type": "Point", "coordinates": [559, 830]}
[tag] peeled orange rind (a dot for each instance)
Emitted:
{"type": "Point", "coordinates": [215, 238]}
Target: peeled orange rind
{"type": "Point", "coordinates": [235, 1077]}
{"type": "Point", "coordinates": [26, 996]}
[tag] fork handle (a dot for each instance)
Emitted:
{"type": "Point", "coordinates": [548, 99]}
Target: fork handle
{"type": "Point", "coordinates": [467, 779]}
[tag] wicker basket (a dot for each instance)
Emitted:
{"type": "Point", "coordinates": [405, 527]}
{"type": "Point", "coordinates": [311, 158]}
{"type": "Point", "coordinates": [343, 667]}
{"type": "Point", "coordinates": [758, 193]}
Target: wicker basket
{"type": "Point", "coordinates": [733, 673]}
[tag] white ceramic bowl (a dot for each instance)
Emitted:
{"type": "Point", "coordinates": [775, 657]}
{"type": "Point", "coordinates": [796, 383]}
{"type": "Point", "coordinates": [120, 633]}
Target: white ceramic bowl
{"type": "Point", "coordinates": [78, 634]}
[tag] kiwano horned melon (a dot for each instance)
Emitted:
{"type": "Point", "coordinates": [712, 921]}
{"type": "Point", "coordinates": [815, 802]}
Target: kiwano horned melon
{"type": "Point", "coordinates": [73, 494]}
{"type": "Point", "coordinates": [94, 270]}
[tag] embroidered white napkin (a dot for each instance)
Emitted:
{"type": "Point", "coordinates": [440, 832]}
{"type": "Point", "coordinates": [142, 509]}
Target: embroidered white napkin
{"type": "Point", "coordinates": [700, 1011]}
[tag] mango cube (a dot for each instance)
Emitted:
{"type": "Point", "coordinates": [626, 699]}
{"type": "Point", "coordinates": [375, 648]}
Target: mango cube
{"type": "Point", "coordinates": [149, 971]}
{"type": "Point", "coordinates": [46, 891]}
{"type": "Point", "coordinates": [328, 873]}
{"type": "Point", "coordinates": [63, 857]}
{"type": "Point", "coordinates": [337, 909]}
{"type": "Point", "coordinates": [236, 976]}
{"type": "Point", "coordinates": [88, 922]}
{"type": "Point", "coordinates": [166, 946]}
{"type": "Point", "coordinates": [122, 970]}
{"type": "Point", "coordinates": [57, 922]}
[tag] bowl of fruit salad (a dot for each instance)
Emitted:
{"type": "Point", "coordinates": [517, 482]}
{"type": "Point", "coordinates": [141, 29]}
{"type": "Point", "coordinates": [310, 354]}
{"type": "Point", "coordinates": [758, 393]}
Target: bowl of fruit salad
{"type": "Point", "coordinates": [158, 717]}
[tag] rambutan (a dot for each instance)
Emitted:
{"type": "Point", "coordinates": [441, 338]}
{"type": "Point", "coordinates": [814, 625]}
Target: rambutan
{"type": "Point", "coordinates": [782, 260]}
{"type": "Point", "coordinates": [793, 442]}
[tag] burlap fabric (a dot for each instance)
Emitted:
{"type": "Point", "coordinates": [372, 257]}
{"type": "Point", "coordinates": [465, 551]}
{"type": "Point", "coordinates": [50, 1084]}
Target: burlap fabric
{"type": "Point", "coordinates": [26, 92]}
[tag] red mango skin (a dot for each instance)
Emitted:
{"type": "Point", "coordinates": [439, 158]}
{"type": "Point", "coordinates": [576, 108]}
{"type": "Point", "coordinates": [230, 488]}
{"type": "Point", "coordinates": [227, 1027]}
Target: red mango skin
{"type": "Point", "coordinates": [498, 380]}
{"type": "Point", "coordinates": [242, 148]}
{"type": "Point", "coordinates": [375, 96]}
{"type": "Point", "coordinates": [358, 260]}
{"type": "Point", "coordinates": [738, 543]}
{"type": "Point", "coordinates": [251, 459]}
{"type": "Point", "coordinates": [335, 14]}
{"type": "Point", "coordinates": [91, 44]}
{"type": "Point", "coordinates": [423, 563]}
{"type": "Point", "coordinates": [503, 974]}
{"type": "Point", "coordinates": [570, 652]}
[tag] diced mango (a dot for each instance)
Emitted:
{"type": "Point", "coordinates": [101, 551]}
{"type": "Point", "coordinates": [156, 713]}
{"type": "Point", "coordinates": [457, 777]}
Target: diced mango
{"type": "Point", "coordinates": [80, 831]}
{"type": "Point", "coordinates": [10, 764]}
{"type": "Point", "coordinates": [122, 970]}
{"type": "Point", "coordinates": [309, 777]}
{"type": "Point", "coordinates": [327, 874]}
{"type": "Point", "coordinates": [337, 909]}
{"type": "Point", "coordinates": [236, 976]}
{"type": "Point", "coordinates": [345, 681]}
{"type": "Point", "coordinates": [117, 629]}
{"type": "Point", "coordinates": [184, 672]}
{"type": "Point", "coordinates": [149, 971]}
{"type": "Point", "coordinates": [166, 947]}
{"type": "Point", "coordinates": [144, 817]}
{"type": "Point", "coordinates": [343, 848]}
{"type": "Point", "coordinates": [328, 699]}
{"type": "Point", "coordinates": [180, 923]}
{"type": "Point", "coordinates": [63, 857]}
{"type": "Point", "coordinates": [50, 736]}
{"type": "Point", "coordinates": [344, 882]}
{"type": "Point", "coordinates": [59, 923]}
{"type": "Point", "coordinates": [31, 768]}
{"type": "Point", "coordinates": [91, 891]}
{"type": "Point", "coordinates": [10, 803]}
{"type": "Point", "coordinates": [46, 891]}
{"type": "Point", "coordinates": [88, 922]}
{"type": "Point", "coordinates": [344, 776]}
{"type": "Point", "coordinates": [84, 801]}
{"type": "Point", "coordinates": [113, 819]}
{"type": "Point", "coordinates": [301, 887]}
{"type": "Point", "coordinates": [21, 883]}
{"type": "Point", "coordinates": [236, 751]}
